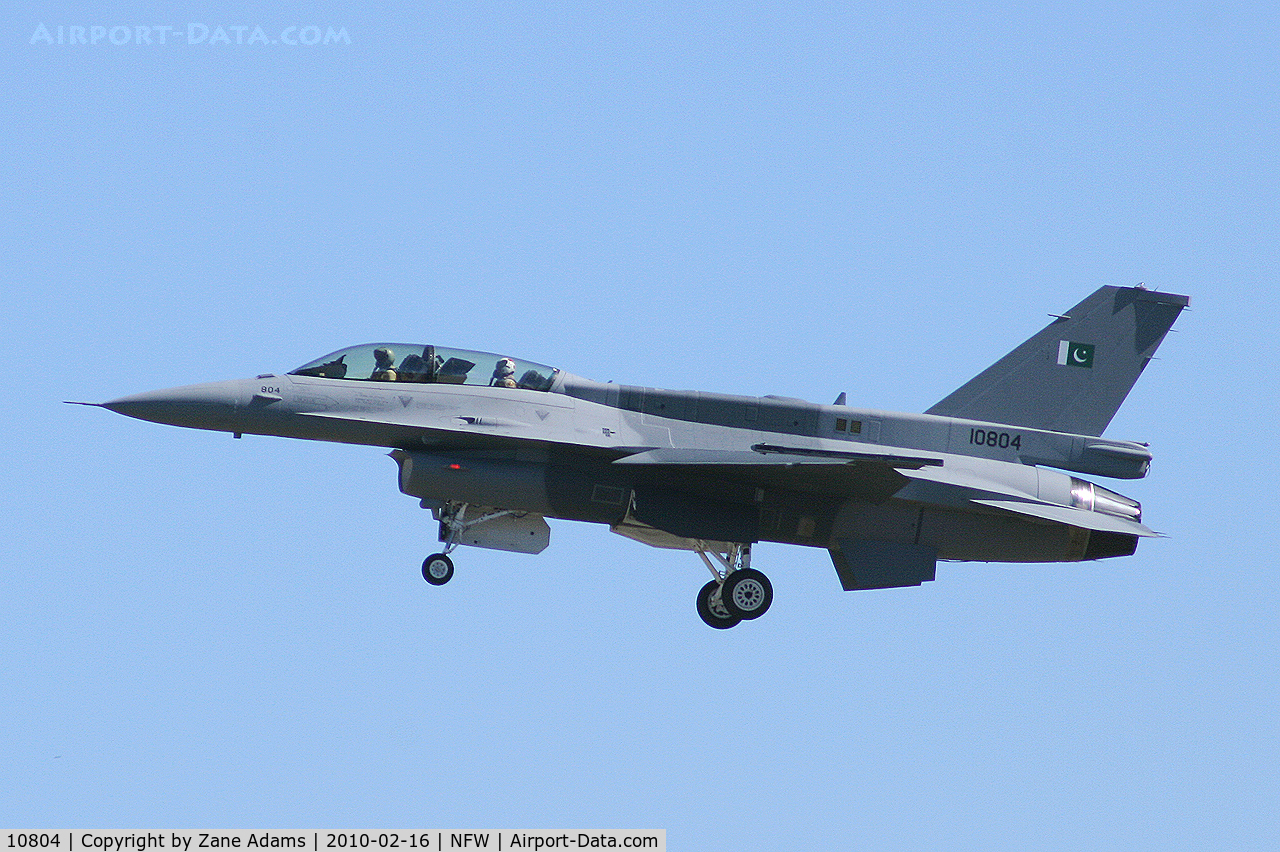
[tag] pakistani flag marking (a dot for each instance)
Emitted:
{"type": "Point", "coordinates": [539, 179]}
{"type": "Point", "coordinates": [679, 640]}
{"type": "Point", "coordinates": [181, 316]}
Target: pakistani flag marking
{"type": "Point", "coordinates": [1072, 354]}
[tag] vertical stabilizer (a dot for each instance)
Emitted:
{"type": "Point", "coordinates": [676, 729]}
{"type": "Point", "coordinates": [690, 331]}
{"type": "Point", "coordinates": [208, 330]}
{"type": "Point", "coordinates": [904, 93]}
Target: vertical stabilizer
{"type": "Point", "coordinates": [1073, 375]}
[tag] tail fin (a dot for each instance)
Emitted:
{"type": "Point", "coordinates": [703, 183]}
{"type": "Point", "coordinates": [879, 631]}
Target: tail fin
{"type": "Point", "coordinates": [1073, 375]}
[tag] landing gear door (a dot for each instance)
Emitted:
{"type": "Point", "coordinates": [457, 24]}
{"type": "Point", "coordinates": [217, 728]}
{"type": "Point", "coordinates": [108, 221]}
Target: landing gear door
{"type": "Point", "coordinates": [522, 533]}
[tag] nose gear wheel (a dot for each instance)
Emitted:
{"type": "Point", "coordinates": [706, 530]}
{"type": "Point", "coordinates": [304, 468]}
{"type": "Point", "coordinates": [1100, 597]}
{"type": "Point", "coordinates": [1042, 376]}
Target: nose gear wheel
{"type": "Point", "coordinates": [437, 569]}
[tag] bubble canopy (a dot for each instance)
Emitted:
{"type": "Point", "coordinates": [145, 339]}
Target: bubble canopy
{"type": "Point", "coordinates": [426, 364]}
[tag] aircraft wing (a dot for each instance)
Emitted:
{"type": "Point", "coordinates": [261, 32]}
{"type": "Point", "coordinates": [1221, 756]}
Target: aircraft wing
{"type": "Point", "coordinates": [769, 455]}
{"type": "Point", "coordinates": [872, 474]}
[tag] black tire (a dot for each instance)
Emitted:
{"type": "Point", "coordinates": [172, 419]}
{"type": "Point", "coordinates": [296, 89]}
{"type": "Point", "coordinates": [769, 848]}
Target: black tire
{"type": "Point", "coordinates": [437, 569]}
{"type": "Point", "coordinates": [747, 594]}
{"type": "Point", "coordinates": [714, 616]}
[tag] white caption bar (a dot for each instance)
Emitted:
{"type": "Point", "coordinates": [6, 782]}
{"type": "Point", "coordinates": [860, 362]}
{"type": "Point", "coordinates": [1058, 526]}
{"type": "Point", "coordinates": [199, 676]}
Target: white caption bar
{"type": "Point", "coordinates": [311, 840]}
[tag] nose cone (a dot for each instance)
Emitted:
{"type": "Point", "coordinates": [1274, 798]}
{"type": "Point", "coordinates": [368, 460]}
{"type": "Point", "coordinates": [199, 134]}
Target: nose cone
{"type": "Point", "coordinates": [208, 406]}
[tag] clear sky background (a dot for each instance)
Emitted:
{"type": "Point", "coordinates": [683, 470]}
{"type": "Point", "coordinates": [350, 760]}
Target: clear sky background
{"type": "Point", "coordinates": [747, 198]}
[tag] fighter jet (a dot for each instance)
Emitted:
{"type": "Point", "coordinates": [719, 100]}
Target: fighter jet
{"type": "Point", "coordinates": [494, 445]}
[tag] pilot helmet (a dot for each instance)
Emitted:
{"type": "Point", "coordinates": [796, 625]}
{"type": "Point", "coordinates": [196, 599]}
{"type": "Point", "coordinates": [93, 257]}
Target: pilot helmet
{"type": "Point", "coordinates": [383, 355]}
{"type": "Point", "coordinates": [505, 367]}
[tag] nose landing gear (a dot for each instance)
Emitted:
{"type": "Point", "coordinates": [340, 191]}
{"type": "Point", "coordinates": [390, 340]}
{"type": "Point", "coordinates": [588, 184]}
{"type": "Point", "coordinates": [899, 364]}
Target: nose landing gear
{"type": "Point", "coordinates": [437, 569]}
{"type": "Point", "coordinates": [502, 529]}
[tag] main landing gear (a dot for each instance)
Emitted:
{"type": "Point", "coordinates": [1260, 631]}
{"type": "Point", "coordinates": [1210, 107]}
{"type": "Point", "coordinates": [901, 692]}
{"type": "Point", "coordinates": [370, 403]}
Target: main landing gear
{"type": "Point", "coordinates": [738, 593]}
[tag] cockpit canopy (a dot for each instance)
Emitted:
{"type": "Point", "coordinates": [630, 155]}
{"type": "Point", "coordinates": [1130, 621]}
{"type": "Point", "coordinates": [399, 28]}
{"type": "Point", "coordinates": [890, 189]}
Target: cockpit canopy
{"type": "Point", "coordinates": [412, 362]}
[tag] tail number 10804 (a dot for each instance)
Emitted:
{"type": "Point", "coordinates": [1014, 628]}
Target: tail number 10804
{"type": "Point", "coordinates": [993, 438]}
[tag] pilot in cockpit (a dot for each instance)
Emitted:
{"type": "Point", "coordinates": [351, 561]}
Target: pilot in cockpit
{"type": "Point", "coordinates": [384, 365]}
{"type": "Point", "coordinates": [504, 373]}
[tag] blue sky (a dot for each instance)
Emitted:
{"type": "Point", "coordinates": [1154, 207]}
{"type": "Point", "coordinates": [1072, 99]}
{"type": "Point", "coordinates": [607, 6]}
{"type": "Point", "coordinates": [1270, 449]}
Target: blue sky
{"type": "Point", "coordinates": [745, 198]}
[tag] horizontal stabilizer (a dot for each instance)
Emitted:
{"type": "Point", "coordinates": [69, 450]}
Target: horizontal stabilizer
{"type": "Point", "coordinates": [967, 482]}
{"type": "Point", "coordinates": [1073, 517]}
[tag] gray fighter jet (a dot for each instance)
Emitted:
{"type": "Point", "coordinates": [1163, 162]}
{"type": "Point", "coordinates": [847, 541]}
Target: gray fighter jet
{"type": "Point", "coordinates": [493, 446]}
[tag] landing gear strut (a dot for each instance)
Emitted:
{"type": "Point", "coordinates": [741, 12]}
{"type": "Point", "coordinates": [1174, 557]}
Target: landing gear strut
{"type": "Point", "coordinates": [437, 569]}
{"type": "Point", "coordinates": [738, 593]}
